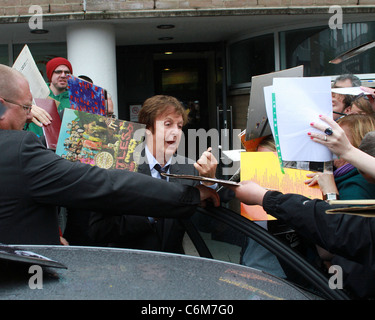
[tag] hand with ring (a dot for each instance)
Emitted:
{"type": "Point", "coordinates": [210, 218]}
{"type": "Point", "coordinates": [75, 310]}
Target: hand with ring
{"type": "Point", "coordinates": [338, 142]}
{"type": "Point", "coordinates": [328, 131]}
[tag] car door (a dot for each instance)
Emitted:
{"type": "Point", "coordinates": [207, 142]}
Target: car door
{"type": "Point", "coordinates": [222, 234]}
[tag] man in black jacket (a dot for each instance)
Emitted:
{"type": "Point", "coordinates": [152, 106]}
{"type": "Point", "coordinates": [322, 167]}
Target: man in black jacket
{"type": "Point", "coordinates": [164, 117]}
{"type": "Point", "coordinates": [34, 180]}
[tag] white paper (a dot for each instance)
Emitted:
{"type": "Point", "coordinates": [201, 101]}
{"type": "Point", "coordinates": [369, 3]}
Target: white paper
{"type": "Point", "coordinates": [26, 65]}
{"type": "Point", "coordinates": [354, 91]}
{"type": "Point", "coordinates": [234, 155]}
{"type": "Point", "coordinates": [299, 101]}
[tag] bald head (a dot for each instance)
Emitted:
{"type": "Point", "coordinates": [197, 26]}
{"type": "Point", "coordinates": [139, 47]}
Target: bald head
{"type": "Point", "coordinates": [14, 94]}
{"type": "Point", "coordinates": [9, 79]}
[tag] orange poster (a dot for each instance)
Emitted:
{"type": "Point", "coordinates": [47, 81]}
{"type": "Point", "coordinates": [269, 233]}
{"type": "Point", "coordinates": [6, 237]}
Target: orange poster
{"type": "Point", "coordinates": [264, 169]}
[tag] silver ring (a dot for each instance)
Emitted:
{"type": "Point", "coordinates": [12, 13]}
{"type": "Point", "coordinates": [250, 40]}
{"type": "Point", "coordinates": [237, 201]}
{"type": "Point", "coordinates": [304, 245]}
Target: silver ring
{"type": "Point", "coordinates": [325, 138]}
{"type": "Point", "coordinates": [328, 131]}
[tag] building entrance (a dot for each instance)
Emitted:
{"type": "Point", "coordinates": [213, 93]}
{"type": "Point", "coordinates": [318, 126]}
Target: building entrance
{"type": "Point", "coordinates": [187, 81]}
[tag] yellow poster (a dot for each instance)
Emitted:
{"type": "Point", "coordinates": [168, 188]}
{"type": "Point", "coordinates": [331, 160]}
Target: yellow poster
{"type": "Point", "coordinates": [264, 169]}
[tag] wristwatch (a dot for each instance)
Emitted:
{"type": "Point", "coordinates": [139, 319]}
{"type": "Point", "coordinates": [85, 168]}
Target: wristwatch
{"type": "Point", "coordinates": [330, 196]}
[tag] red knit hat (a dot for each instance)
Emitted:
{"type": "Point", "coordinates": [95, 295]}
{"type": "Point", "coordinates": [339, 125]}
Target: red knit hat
{"type": "Point", "coordinates": [54, 63]}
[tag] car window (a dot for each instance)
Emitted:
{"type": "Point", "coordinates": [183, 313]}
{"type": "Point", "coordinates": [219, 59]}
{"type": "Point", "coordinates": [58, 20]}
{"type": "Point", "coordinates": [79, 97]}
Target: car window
{"type": "Point", "coordinates": [225, 243]}
{"type": "Point", "coordinates": [227, 236]}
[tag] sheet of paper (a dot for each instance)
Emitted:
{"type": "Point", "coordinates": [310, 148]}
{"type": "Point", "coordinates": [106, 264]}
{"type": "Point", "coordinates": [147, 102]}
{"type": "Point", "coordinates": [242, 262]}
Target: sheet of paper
{"type": "Point", "coordinates": [234, 155]}
{"type": "Point", "coordinates": [26, 65]}
{"type": "Point", "coordinates": [300, 101]}
{"type": "Point", "coordinates": [354, 91]}
{"type": "Point", "coordinates": [263, 168]}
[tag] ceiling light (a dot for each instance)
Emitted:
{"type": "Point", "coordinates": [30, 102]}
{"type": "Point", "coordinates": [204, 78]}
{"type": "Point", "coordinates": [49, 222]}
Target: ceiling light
{"type": "Point", "coordinates": [168, 52]}
{"type": "Point", "coordinates": [165, 38]}
{"type": "Point", "coordinates": [165, 26]}
{"type": "Point", "coordinates": [39, 31]}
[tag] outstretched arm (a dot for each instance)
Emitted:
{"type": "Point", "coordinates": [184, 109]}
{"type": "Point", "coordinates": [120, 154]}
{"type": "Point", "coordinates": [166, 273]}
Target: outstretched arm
{"type": "Point", "coordinates": [339, 144]}
{"type": "Point", "coordinates": [334, 232]}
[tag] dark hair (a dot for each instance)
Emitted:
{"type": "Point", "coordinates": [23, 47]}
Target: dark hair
{"type": "Point", "coordinates": [86, 78]}
{"type": "Point", "coordinates": [157, 105]}
{"type": "Point", "coordinates": [356, 82]}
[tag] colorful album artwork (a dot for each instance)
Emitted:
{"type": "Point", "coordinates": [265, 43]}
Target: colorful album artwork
{"type": "Point", "coordinates": [85, 96]}
{"type": "Point", "coordinates": [100, 141]}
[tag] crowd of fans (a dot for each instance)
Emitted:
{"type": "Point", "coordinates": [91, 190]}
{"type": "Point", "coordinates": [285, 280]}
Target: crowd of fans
{"type": "Point", "coordinates": [45, 199]}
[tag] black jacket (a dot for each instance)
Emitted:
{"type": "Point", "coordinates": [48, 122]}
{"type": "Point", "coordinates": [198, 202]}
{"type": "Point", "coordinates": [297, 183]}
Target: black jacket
{"type": "Point", "coordinates": [351, 238]}
{"type": "Point", "coordinates": [135, 232]}
{"type": "Point", "coordinates": [34, 180]}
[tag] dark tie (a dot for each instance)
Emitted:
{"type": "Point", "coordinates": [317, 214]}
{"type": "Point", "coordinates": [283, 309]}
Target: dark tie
{"type": "Point", "coordinates": [161, 170]}
{"type": "Point", "coordinates": [160, 224]}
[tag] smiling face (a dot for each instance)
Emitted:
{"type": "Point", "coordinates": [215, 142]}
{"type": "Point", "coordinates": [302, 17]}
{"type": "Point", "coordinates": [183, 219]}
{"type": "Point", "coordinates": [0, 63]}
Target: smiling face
{"type": "Point", "coordinates": [165, 136]}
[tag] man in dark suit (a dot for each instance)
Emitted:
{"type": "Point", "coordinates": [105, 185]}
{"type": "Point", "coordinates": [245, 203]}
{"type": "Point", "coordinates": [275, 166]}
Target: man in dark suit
{"type": "Point", "coordinates": [164, 117]}
{"type": "Point", "coordinates": [34, 180]}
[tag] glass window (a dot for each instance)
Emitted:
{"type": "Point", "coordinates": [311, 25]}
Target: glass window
{"type": "Point", "coordinates": [4, 59]}
{"type": "Point", "coordinates": [251, 57]}
{"type": "Point", "coordinates": [315, 47]}
{"type": "Point", "coordinates": [42, 53]}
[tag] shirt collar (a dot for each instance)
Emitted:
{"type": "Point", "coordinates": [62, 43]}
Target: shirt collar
{"type": "Point", "coordinates": [151, 159]}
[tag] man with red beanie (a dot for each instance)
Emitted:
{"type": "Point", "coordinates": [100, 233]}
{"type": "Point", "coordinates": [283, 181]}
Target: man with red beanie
{"type": "Point", "coordinates": [57, 71]}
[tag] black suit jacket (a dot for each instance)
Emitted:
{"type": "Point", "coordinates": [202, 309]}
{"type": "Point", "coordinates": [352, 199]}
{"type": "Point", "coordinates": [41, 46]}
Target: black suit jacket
{"type": "Point", "coordinates": [129, 231]}
{"type": "Point", "coordinates": [34, 180]}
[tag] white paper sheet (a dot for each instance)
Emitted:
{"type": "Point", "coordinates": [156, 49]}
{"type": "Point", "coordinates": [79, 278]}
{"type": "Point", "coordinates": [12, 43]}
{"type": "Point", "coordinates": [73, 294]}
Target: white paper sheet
{"type": "Point", "coordinates": [234, 155]}
{"type": "Point", "coordinates": [354, 91]}
{"type": "Point", "coordinates": [26, 65]}
{"type": "Point", "coordinates": [299, 101]}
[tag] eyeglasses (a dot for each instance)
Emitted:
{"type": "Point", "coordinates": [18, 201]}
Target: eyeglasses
{"type": "Point", "coordinates": [25, 107]}
{"type": "Point", "coordinates": [62, 71]}
{"type": "Point", "coordinates": [111, 115]}
{"type": "Point", "coordinates": [361, 95]}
